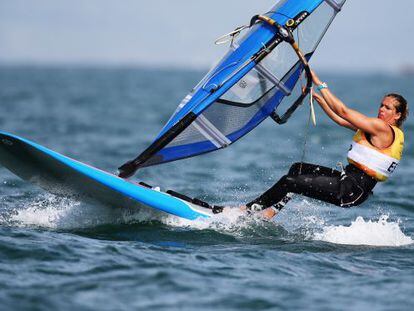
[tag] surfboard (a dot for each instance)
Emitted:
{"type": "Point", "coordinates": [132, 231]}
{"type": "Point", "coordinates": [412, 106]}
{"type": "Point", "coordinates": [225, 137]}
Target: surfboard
{"type": "Point", "coordinates": [63, 176]}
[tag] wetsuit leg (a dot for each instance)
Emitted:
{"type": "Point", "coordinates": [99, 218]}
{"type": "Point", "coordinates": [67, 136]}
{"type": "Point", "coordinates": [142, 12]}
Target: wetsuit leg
{"type": "Point", "coordinates": [312, 169]}
{"type": "Point", "coordinates": [321, 183]}
{"type": "Point", "coordinates": [311, 180]}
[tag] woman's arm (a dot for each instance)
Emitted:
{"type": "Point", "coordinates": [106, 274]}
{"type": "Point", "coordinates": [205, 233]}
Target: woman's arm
{"type": "Point", "coordinates": [331, 114]}
{"type": "Point", "coordinates": [357, 120]}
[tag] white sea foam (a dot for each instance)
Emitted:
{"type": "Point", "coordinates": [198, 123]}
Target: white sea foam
{"type": "Point", "coordinates": [43, 213]}
{"type": "Point", "coordinates": [49, 211]}
{"type": "Point", "coordinates": [54, 212]}
{"type": "Point", "coordinates": [231, 219]}
{"type": "Point", "coordinates": [361, 232]}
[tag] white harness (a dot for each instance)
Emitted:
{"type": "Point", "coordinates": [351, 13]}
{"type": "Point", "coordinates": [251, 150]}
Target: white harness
{"type": "Point", "coordinates": [372, 159]}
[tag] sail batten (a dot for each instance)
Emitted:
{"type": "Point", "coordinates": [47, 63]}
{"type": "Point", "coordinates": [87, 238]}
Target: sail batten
{"type": "Point", "coordinates": [203, 124]}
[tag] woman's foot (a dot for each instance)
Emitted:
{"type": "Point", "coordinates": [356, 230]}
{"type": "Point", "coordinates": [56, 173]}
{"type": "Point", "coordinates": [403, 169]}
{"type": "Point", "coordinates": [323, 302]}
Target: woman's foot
{"type": "Point", "coordinates": [269, 213]}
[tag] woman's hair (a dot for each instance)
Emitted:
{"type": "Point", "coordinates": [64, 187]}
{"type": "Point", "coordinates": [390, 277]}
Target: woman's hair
{"type": "Point", "coordinates": [401, 108]}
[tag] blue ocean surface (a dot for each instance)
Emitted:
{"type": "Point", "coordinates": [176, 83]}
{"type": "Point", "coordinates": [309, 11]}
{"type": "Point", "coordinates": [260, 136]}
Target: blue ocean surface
{"type": "Point", "coordinates": [60, 254]}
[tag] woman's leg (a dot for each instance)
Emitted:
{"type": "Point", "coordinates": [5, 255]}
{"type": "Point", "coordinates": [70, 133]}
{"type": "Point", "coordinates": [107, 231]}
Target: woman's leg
{"type": "Point", "coordinates": [312, 169]}
{"type": "Point", "coordinates": [313, 181]}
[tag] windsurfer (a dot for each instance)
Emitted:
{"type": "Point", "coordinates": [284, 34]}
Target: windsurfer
{"type": "Point", "coordinates": [375, 153]}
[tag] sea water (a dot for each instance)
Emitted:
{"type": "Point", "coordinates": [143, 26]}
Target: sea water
{"type": "Point", "coordinates": [59, 254]}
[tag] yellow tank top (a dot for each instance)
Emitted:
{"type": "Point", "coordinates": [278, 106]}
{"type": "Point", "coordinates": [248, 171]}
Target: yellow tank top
{"type": "Point", "coordinates": [377, 163]}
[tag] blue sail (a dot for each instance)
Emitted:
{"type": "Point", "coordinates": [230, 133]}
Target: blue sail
{"type": "Point", "coordinates": [245, 88]}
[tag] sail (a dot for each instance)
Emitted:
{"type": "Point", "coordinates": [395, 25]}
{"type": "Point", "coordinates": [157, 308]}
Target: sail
{"type": "Point", "coordinates": [252, 80]}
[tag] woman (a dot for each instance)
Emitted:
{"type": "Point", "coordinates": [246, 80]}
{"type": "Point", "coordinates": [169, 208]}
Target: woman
{"type": "Point", "coordinates": [375, 153]}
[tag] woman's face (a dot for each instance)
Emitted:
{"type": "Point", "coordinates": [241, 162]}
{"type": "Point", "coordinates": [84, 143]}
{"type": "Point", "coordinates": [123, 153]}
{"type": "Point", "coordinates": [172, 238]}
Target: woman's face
{"type": "Point", "coordinates": [388, 111]}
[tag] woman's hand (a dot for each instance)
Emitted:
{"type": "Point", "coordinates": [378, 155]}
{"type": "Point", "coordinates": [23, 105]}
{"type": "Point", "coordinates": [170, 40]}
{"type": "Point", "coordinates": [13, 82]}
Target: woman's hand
{"type": "Point", "coordinates": [316, 96]}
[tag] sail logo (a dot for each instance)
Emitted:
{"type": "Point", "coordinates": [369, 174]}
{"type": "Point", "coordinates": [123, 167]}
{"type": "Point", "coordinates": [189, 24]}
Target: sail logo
{"type": "Point", "coordinates": [243, 84]}
{"type": "Point", "coordinates": [246, 87]}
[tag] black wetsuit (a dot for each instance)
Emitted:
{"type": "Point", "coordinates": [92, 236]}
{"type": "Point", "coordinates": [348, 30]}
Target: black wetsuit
{"type": "Point", "coordinates": [350, 188]}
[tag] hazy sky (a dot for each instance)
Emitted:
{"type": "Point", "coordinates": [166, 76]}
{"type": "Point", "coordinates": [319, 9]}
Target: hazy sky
{"type": "Point", "coordinates": [367, 34]}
